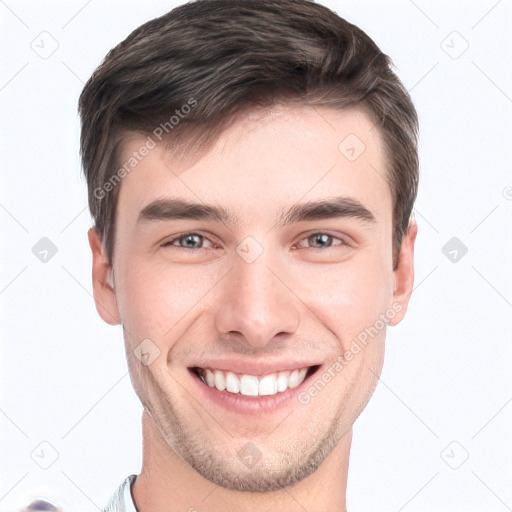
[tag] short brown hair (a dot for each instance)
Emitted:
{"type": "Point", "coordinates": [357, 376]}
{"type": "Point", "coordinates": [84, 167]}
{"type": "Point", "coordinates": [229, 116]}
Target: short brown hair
{"type": "Point", "coordinates": [223, 57]}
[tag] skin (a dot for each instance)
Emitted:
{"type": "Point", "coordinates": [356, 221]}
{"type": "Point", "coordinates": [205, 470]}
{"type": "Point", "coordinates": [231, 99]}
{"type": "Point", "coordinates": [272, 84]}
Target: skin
{"type": "Point", "coordinates": [297, 299]}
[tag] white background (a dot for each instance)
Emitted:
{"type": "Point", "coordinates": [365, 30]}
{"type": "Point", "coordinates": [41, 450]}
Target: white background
{"type": "Point", "coordinates": [447, 375]}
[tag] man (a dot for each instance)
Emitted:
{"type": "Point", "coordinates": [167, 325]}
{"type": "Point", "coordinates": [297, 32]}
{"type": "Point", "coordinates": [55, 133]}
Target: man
{"type": "Point", "coordinates": [252, 169]}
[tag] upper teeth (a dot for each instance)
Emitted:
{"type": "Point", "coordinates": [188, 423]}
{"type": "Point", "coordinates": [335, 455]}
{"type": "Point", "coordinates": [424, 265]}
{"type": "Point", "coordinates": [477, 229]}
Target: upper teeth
{"type": "Point", "coordinates": [252, 385]}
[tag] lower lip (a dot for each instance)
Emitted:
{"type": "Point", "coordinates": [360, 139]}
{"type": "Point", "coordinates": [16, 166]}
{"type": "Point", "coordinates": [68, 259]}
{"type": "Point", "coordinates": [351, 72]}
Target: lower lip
{"type": "Point", "coordinates": [251, 405]}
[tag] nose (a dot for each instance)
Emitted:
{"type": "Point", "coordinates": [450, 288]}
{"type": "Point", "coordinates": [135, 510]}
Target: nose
{"type": "Point", "coordinates": [256, 304]}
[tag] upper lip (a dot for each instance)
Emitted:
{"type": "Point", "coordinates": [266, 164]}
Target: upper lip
{"type": "Point", "coordinates": [254, 367]}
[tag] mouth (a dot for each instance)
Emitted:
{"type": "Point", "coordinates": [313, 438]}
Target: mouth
{"type": "Point", "coordinates": [253, 386]}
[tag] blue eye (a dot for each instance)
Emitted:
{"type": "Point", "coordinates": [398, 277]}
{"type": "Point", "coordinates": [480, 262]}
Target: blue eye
{"type": "Point", "coordinates": [321, 241]}
{"type": "Point", "coordinates": [195, 241]}
{"type": "Point", "coordinates": [187, 241]}
{"type": "Point", "coordinates": [190, 241]}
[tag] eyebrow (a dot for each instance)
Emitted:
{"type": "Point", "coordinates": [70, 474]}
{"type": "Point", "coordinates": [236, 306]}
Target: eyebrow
{"type": "Point", "coordinates": [336, 207]}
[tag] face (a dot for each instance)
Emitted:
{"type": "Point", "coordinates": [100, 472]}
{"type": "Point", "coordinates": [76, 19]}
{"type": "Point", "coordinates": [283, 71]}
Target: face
{"type": "Point", "coordinates": [264, 267]}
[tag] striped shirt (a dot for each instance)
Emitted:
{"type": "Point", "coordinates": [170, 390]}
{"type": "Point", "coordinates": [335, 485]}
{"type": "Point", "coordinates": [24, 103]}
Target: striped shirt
{"type": "Point", "coordinates": [121, 500]}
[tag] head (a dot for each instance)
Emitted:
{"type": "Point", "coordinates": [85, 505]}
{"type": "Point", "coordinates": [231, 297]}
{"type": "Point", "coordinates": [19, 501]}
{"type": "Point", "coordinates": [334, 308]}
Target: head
{"type": "Point", "coordinates": [252, 169]}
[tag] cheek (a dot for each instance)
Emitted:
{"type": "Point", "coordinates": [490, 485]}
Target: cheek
{"type": "Point", "coordinates": [349, 297]}
{"type": "Point", "coordinates": [155, 299]}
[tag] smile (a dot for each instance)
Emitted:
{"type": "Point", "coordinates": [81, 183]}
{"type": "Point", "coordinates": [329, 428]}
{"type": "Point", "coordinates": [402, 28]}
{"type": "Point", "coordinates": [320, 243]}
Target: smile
{"type": "Point", "coordinates": [253, 385]}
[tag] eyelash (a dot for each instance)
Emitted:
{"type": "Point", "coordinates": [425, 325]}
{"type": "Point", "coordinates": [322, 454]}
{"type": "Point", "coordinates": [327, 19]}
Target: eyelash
{"type": "Point", "coordinates": [170, 243]}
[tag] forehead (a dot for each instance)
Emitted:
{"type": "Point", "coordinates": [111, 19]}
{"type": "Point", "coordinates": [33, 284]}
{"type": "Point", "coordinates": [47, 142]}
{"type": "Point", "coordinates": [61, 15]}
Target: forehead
{"type": "Point", "coordinates": [267, 159]}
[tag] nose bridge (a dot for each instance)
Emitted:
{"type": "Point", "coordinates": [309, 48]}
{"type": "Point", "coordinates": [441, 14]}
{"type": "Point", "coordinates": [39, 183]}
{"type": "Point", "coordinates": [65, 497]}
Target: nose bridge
{"type": "Point", "coordinates": [256, 304]}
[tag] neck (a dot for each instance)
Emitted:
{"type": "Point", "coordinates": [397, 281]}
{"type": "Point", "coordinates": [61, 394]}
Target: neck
{"type": "Point", "coordinates": [166, 482]}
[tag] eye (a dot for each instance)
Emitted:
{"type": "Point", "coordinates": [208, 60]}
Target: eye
{"type": "Point", "coordinates": [320, 241]}
{"type": "Point", "coordinates": [187, 241]}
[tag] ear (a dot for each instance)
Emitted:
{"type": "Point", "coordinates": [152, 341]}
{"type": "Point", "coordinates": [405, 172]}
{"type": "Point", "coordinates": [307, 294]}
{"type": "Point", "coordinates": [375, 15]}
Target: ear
{"type": "Point", "coordinates": [102, 281]}
{"type": "Point", "coordinates": [404, 273]}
